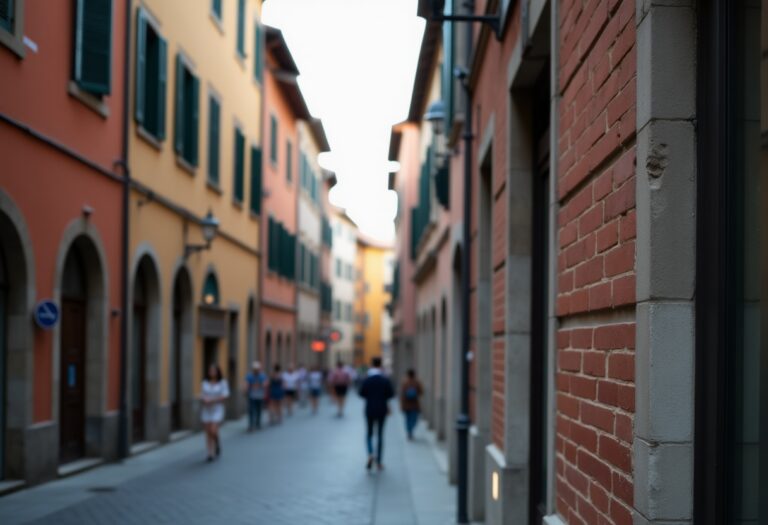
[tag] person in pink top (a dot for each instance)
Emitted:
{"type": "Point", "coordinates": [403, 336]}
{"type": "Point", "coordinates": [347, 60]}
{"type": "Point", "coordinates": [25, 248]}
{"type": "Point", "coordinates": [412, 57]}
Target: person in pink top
{"type": "Point", "coordinates": [339, 380]}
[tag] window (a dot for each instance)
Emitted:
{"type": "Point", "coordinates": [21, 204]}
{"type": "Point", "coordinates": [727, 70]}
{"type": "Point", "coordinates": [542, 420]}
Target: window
{"type": "Point", "coordinates": [338, 267]}
{"type": "Point", "coordinates": [151, 78]}
{"type": "Point", "coordinates": [337, 310]}
{"type": "Point", "coordinates": [288, 161]}
{"type": "Point", "coordinates": [93, 45]}
{"type": "Point", "coordinates": [239, 167]}
{"type": "Point", "coordinates": [241, 28]}
{"type": "Point", "coordinates": [258, 53]}
{"type": "Point", "coordinates": [12, 25]}
{"type": "Point", "coordinates": [281, 257]}
{"type": "Point", "coordinates": [348, 312]}
{"type": "Point", "coordinates": [187, 112]}
{"type": "Point", "coordinates": [216, 9]}
{"type": "Point", "coordinates": [256, 180]}
{"type": "Point", "coordinates": [214, 124]}
{"type": "Point", "coordinates": [273, 139]}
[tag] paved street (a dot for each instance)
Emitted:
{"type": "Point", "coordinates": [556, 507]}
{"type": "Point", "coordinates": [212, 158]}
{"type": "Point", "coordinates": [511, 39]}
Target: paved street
{"type": "Point", "coordinates": [308, 470]}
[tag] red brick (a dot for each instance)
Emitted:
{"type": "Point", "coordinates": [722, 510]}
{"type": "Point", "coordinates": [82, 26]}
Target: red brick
{"type": "Point", "coordinates": [569, 234]}
{"type": "Point", "coordinates": [607, 236]}
{"type": "Point", "coordinates": [570, 361]}
{"type": "Point", "coordinates": [600, 296]}
{"type": "Point", "coordinates": [620, 514]}
{"type": "Point", "coordinates": [576, 479]}
{"type": "Point", "coordinates": [620, 259]}
{"type": "Point", "coordinates": [584, 436]}
{"type": "Point", "coordinates": [599, 497]}
{"type": "Point", "coordinates": [589, 272]}
{"type": "Point", "coordinates": [594, 364]}
{"type": "Point", "coordinates": [620, 200]}
{"type": "Point", "coordinates": [624, 428]}
{"type": "Point", "coordinates": [591, 220]}
{"type": "Point", "coordinates": [608, 393]}
{"type": "Point", "coordinates": [563, 339]}
{"type": "Point", "coordinates": [579, 301]}
{"type": "Point", "coordinates": [586, 510]}
{"type": "Point", "coordinates": [595, 468]}
{"type": "Point", "coordinates": [583, 387]}
{"type": "Point", "coordinates": [597, 416]}
{"type": "Point", "coordinates": [621, 366]}
{"type": "Point", "coordinates": [624, 290]}
{"type": "Point", "coordinates": [615, 453]}
{"type": "Point", "coordinates": [568, 406]}
{"type": "Point", "coordinates": [615, 336]}
{"type": "Point", "coordinates": [623, 489]}
{"type": "Point", "coordinates": [628, 226]}
{"type": "Point", "coordinates": [581, 338]}
{"type": "Point", "coordinates": [626, 397]}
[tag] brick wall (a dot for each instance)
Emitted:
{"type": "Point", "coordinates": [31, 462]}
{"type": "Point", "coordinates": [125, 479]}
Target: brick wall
{"type": "Point", "coordinates": [596, 262]}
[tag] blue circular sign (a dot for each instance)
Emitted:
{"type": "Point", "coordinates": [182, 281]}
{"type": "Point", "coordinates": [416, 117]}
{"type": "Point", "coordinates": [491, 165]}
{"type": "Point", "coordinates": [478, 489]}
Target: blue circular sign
{"type": "Point", "coordinates": [46, 314]}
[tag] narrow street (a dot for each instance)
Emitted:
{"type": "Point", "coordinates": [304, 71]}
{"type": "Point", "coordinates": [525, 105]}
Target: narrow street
{"type": "Point", "coordinates": [309, 470]}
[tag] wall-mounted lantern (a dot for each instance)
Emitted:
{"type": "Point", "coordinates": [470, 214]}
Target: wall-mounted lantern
{"type": "Point", "coordinates": [210, 227]}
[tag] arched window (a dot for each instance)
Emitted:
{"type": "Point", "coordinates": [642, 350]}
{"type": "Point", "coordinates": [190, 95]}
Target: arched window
{"type": "Point", "coordinates": [211, 290]}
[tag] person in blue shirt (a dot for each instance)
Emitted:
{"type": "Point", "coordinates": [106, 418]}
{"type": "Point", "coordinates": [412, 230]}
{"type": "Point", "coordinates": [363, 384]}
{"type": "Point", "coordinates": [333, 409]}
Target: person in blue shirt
{"type": "Point", "coordinates": [377, 390]}
{"type": "Point", "coordinates": [255, 388]}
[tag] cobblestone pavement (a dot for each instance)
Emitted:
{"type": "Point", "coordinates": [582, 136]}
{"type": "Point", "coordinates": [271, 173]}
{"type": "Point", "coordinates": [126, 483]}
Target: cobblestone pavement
{"type": "Point", "coordinates": [309, 470]}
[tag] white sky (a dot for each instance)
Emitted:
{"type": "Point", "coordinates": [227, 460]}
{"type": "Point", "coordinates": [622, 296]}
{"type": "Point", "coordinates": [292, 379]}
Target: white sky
{"type": "Point", "coordinates": [357, 60]}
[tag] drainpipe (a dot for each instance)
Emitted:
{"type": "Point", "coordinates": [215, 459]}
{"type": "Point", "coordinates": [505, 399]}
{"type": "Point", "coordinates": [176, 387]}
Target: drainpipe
{"type": "Point", "coordinates": [463, 421]}
{"type": "Point", "coordinates": [122, 423]}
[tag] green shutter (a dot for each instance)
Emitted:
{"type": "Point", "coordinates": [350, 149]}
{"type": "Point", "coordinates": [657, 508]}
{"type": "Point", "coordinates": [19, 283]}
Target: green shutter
{"type": "Point", "coordinates": [258, 53]}
{"type": "Point", "coordinates": [191, 153]}
{"type": "Point", "coordinates": [93, 45]}
{"type": "Point", "coordinates": [216, 8]}
{"type": "Point", "coordinates": [256, 180]}
{"type": "Point", "coordinates": [162, 82]}
{"type": "Point", "coordinates": [241, 27]}
{"type": "Point", "coordinates": [178, 143]}
{"type": "Point", "coordinates": [141, 66]}
{"type": "Point", "coordinates": [271, 244]}
{"type": "Point", "coordinates": [213, 140]}
{"type": "Point", "coordinates": [239, 165]}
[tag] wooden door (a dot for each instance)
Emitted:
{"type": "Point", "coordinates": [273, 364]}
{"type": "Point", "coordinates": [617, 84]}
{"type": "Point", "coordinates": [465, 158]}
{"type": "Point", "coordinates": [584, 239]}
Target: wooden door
{"type": "Point", "coordinates": [72, 381]}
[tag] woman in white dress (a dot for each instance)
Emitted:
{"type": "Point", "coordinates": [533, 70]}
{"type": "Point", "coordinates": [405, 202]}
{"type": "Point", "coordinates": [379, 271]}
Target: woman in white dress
{"type": "Point", "coordinates": [214, 392]}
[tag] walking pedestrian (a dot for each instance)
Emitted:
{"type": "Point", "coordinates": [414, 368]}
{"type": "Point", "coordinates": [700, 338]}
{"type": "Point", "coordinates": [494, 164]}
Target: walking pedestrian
{"type": "Point", "coordinates": [215, 391]}
{"type": "Point", "coordinates": [339, 380]}
{"type": "Point", "coordinates": [291, 379]}
{"type": "Point", "coordinates": [410, 392]}
{"type": "Point", "coordinates": [315, 380]}
{"type": "Point", "coordinates": [276, 395]}
{"type": "Point", "coordinates": [255, 388]}
{"type": "Point", "coordinates": [377, 390]}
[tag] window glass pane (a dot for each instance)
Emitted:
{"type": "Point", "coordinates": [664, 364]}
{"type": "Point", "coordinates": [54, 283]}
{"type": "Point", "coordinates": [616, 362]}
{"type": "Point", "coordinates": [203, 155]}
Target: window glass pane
{"type": "Point", "coordinates": [241, 27]}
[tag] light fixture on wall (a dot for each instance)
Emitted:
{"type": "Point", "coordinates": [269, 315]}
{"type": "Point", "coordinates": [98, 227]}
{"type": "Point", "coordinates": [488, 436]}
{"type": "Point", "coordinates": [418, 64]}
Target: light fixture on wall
{"type": "Point", "coordinates": [435, 115]}
{"type": "Point", "coordinates": [495, 486]}
{"type": "Point", "coordinates": [210, 227]}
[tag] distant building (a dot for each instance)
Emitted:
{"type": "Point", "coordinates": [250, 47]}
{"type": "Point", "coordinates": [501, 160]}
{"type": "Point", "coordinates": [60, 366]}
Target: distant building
{"type": "Point", "coordinates": [374, 262]}
{"type": "Point", "coordinates": [311, 208]}
{"type": "Point", "coordinates": [343, 279]}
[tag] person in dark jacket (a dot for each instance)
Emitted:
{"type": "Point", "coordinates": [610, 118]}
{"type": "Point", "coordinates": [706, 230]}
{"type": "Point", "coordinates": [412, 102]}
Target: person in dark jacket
{"type": "Point", "coordinates": [410, 392]}
{"type": "Point", "coordinates": [377, 390]}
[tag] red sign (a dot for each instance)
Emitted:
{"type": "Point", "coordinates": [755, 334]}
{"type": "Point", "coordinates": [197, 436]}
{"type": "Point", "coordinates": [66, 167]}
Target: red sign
{"type": "Point", "coordinates": [335, 336]}
{"type": "Point", "coordinates": [318, 345]}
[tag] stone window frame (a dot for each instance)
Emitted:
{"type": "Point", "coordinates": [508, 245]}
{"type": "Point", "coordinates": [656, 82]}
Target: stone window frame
{"type": "Point", "coordinates": [14, 40]}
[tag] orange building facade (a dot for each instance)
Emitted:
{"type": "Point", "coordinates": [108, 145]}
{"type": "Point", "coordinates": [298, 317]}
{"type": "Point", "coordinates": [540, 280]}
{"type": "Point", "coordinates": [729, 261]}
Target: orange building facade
{"type": "Point", "coordinates": [284, 107]}
{"type": "Point", "coordinates": [61, 188]}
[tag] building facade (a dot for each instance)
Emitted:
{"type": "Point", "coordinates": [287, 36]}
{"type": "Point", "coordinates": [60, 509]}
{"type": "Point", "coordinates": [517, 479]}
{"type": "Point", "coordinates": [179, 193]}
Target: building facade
{"type": "Point", "coordinates": [195, 155]}
{"type": "Point", "coordinates": [62, 134]}
{"type": "Point", "coordinates": [374, 282]}
{"type": "Point", "coordinates": [615, 339]}
{"type": "Point", "coordinates": [343, 284]}
{"type": "Point", "coordinates": [285, 107]}
{"type": "Point", "coordinates": [312, 142]}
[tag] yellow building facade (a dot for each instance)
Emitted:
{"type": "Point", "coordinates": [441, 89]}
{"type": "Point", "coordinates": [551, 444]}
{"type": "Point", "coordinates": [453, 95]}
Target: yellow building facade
{"type": "Point", "coordinates": [195, 161]}
{"type": "Point", "coordinates": [374, 267]}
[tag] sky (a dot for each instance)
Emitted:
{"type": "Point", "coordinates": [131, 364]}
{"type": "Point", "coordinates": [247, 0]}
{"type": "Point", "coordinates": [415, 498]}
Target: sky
{"type": "Point", "coordinates": [357, 60]}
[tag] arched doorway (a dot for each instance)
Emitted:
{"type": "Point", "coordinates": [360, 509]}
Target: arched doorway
{"type": "Point", "coordinates": [180, 380]}
{"type": "Point", "coordinates": [16, 332]}
{"type": "Point", "coordinates": [82, 344]}
{"type": "Point", "coordinates": [211, 337]}
{"type": "Point", "coordinates": [74, 304]}
{"type": "Point", "coordinates": [145, 351]}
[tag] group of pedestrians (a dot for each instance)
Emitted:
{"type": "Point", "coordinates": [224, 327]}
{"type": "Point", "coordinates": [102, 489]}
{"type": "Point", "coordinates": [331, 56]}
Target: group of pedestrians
{"type": "Point", "coordinates": [281, 389]}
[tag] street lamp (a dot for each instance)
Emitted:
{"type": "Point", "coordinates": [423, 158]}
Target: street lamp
{"type": "Point", "coordinates": [210, 227]}
{"type": "Point", "coordinates": [435, 115]}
